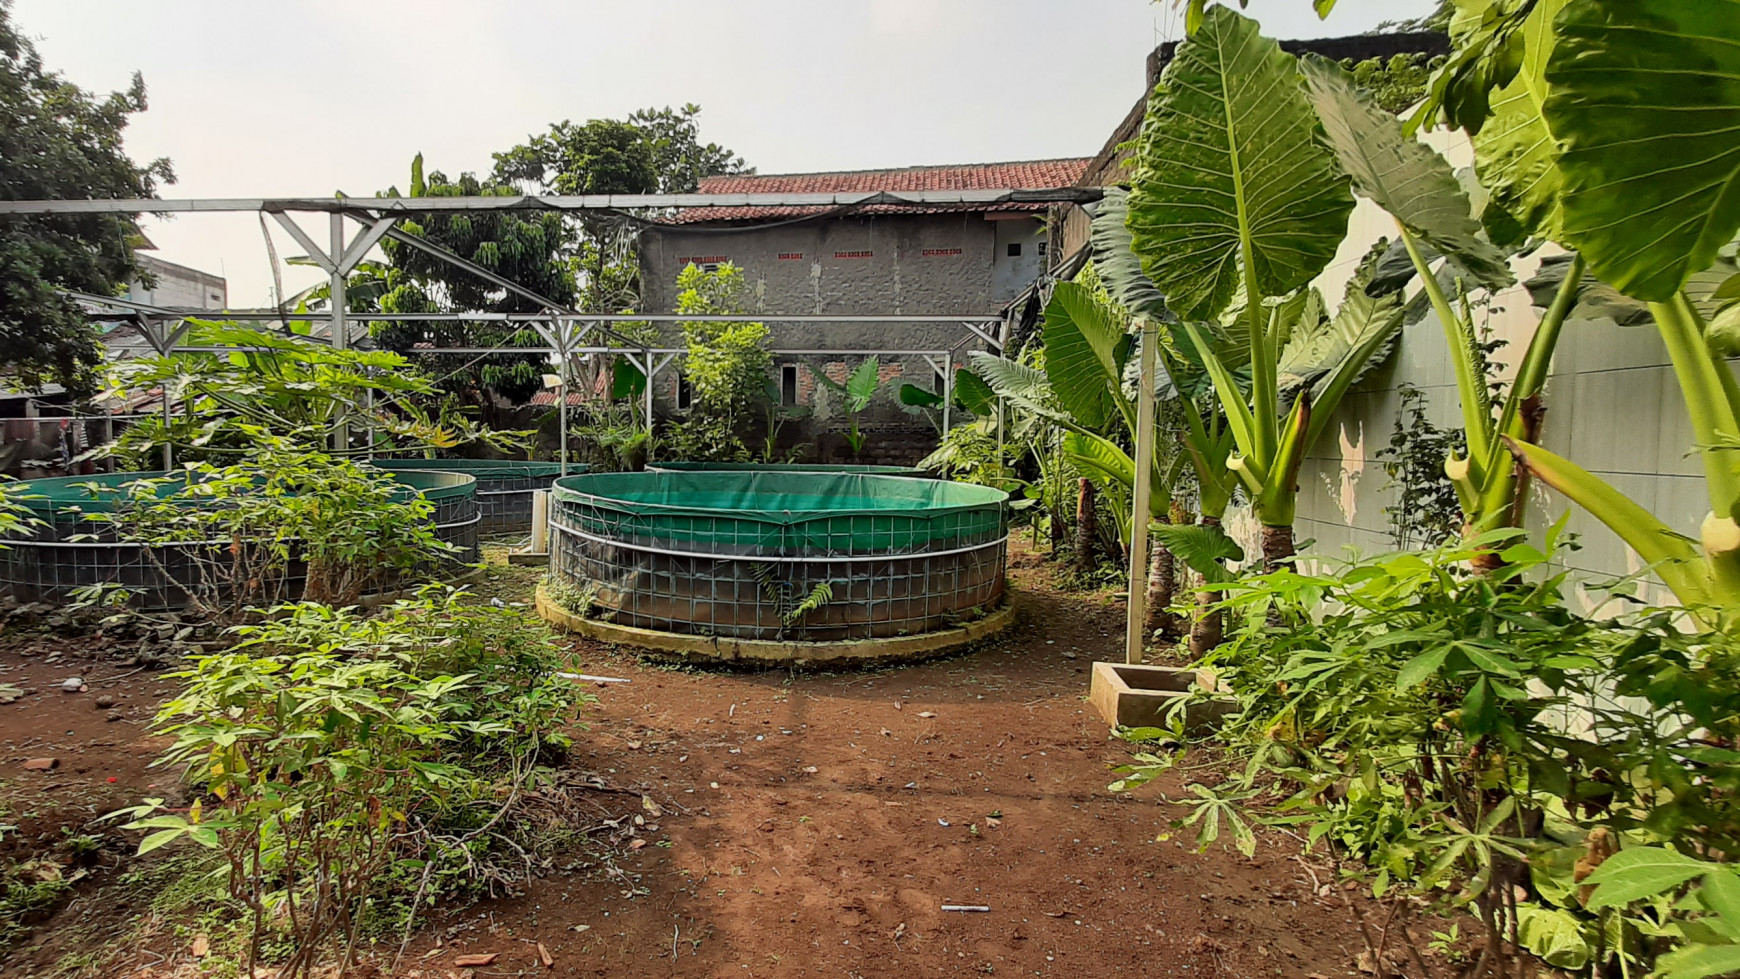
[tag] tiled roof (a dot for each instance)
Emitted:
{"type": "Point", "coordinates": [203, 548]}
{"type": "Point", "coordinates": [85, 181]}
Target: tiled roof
{"type": "Point", "coordinates": [1025, 175]}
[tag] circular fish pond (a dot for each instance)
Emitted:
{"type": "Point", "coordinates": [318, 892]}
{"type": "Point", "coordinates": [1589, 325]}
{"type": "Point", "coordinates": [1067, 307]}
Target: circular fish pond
{"type": "Point", "coordinates": [790, 467]}
{"type": "Point", "coordinates": [504, 487]}
{"type": "Point", "coordinates": [68, 551]}
{"type": "Point", "coordinates": [777, 566]}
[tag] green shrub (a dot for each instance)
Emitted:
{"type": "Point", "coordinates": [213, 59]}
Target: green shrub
{"type": "Point", "coordinates": [337, 757]}
{"type": "Point", "coordinates": [352, 530]}
{"type": "Point", "coordinates": [1473, 737]}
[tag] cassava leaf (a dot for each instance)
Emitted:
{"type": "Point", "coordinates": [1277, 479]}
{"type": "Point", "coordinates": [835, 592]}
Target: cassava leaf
{"type": "Point", "coordinates": [1229, 168]}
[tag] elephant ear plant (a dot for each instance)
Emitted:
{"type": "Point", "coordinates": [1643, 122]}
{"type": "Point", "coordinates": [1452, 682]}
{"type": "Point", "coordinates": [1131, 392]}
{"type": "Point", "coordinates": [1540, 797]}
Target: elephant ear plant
{"type": "Point", "coordinates": [1641, 99]}
{"type": "Point", "coordinates": [1436, 220]}
{"type": "Point", "coordinates": [1235, 207]}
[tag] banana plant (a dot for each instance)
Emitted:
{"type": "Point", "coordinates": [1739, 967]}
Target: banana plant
{"type": "Point", "coordinates": [1080, 389]}
{"type": "Point", "coordinates": [1234, 195]}
{"type": "Point", "coordinates": [1642, 99]}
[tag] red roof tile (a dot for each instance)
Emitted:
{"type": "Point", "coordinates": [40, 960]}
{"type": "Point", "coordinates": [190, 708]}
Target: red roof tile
{"type": "Point", "coordinates": [1025, 175]}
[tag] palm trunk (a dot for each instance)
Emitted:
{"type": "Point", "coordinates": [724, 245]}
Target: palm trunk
{"type": "Point", "coordinates": [1277, 546]}
{"type": "Point", "coordinates": [1086, 528]}
{"type": "Point", "coordinates": [1162, 585]}
{"type": "Point", "coordinates": [1208, 630]}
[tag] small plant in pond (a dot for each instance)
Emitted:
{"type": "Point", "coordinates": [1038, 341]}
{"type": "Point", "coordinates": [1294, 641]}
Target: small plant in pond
{"type": "Point", "coordinates": [855, 395]}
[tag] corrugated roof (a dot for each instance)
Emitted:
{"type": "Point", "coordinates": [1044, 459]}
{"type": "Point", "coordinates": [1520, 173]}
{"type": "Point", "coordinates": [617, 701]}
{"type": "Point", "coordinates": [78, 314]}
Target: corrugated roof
{"type": "Point", "coordinates": [1020, 175]}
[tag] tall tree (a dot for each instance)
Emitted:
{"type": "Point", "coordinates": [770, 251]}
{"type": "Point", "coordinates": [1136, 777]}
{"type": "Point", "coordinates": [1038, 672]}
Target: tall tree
{"type": "Point", "coordinates": [59, 141]}
{"type": "Point", "coordinates": [654, 151]}
{"type": "Point", "coordinates": [525, 248]}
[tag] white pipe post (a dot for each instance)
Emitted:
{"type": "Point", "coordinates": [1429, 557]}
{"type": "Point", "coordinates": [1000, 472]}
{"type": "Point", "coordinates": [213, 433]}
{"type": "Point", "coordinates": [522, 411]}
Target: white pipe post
{"type": "Point", "coordinates": [948, 389]}
{"type": "Point", "coordinates": [648, 374]}
{"type": "Point", "coordinates": [562, 390]}
{"type": "Point", "coordinates": [1135, 632]}
{"type": "Point", "coordinates": [340, 329]}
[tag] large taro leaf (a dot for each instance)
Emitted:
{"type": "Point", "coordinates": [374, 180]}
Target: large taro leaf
{"type": "Point", "coordinates": [1085, 351]}
{"type": "Point", "coordinates": [1400, 174]}
{"type": "Point", "coordinates": [1107, 464]}
{"type": "Point", "coordinates": [973, 394]}
{"type": "Point", "coordinates": [1597, 300]}
{"type": "Point", "coordinates": [1329, 357]}
{"type": "Point", "coordinates": [1514, 152]}
{"type": "Point", "coordinates": [1645, 98]}
{"type": "Point", "coordinates": [1229, 168]}
{"type": "Point", "coordinates": [1116, 260]}
{"type": "Point", "coordinates": [1202, 547]}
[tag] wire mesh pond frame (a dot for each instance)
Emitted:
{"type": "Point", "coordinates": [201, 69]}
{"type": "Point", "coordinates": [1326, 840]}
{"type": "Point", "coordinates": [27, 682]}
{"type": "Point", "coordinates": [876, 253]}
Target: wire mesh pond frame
{"type": "Point", "coordinates": [68, 551]}
{"type": "Point", "coordinates": [736, 554]}
{"type": "Point", "coordinates": [504, 487]}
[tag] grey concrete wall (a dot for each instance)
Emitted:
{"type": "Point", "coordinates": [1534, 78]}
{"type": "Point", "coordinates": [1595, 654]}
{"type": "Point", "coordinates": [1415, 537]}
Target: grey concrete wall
{"type": "Point", "coordinates": [921, 264]}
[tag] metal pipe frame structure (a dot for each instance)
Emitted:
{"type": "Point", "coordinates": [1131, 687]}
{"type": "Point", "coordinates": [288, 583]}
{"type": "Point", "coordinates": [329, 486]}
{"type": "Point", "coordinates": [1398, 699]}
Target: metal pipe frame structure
{"type": "Point", "coordinates": [563, 329]}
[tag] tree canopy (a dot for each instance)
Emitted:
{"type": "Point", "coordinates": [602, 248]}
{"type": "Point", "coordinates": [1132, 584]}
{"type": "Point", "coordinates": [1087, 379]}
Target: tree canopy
{"type": "Point", "coordinates": [587, 263]}
{"type": "Point", "coordinates": [60, 141]}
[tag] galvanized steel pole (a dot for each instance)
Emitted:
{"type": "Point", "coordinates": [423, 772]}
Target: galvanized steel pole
{"type": "Point", "coordinates": [340, 329]}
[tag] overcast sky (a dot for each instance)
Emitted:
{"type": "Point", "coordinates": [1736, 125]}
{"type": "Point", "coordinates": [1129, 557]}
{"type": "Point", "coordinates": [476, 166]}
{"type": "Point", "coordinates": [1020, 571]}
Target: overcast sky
{"type": "Point", "coordinates": [305, 97]}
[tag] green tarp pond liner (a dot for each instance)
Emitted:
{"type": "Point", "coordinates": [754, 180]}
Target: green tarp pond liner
{"type": "Point", "coordinates": [504, 486]}
{"type": "Point", "coordinates": [789, 467]}
{"type": "Point", "coordinates": [67, 551]}
{"type": "Point", "coordinates": [735, 553]}
{"type": "Point", "coordinates": [783, 513]}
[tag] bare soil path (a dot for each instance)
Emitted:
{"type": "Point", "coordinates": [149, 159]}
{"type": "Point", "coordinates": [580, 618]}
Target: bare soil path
{"type": "Point", "coordinates": [820, 822]}
{"type": "Point", "coordinates": [806, 825]}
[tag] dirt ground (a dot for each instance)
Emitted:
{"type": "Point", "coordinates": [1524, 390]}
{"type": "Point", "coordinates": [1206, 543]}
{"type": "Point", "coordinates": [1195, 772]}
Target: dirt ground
{"type": "Point", "coordinates": [810, 825]}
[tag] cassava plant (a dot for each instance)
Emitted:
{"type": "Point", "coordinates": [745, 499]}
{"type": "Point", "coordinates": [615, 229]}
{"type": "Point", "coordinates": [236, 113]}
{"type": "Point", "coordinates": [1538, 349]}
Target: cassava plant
{"type": "Point", "coordinates": [332, 756]}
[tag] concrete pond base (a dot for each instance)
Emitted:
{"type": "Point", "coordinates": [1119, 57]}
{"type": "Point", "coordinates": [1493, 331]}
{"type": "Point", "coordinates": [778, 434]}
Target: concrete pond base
{"type": "Point", "coordinates": [1133, 695]}
{"type": "Point", "coordinates": [763, 652]}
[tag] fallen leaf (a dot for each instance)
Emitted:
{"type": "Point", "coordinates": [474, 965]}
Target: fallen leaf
{"type": "Point", "coordinates": [545, 957]}
{"type": "Point", "coordinates": [634, 745]}
{"type": "Point", "coordinates": [636, 844]}
{"type": "Point", "coordinates": [812, 769]}
{"type": "Point", "coordinates": [579, 927]}
{"type": "Point", "coordinates": [201, 946]}
{"type": "Point", "coordinates": [652, 808]}
{"type": "Point", "coordinates": [476, 961]}
{"type": "Point", "coordinates": [897, 706]}
{"type": "Point", "coordinates": [992, 822]}
{"type": "Point", "coordinates": [927, 713]}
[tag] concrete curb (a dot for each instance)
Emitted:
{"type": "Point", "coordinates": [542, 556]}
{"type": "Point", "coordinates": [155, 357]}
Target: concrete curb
{"type": "Point", "coordinates": [751, 652]}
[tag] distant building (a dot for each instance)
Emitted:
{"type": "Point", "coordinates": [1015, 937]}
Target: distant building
{"type": "Point", "coordinates": [178, 287]}
{"type": "Point", "coordinates": [951, 260]}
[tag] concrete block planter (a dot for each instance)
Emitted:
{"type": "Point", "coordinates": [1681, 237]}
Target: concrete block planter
{"type": "Point", "coordinates": [1144, 696]}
